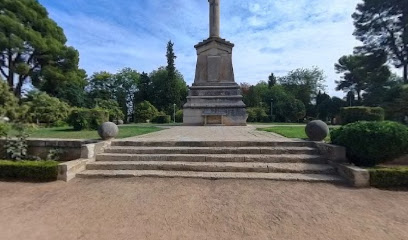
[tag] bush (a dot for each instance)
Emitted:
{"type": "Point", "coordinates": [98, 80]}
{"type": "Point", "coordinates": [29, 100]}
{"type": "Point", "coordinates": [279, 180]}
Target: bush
{"type": "Point", "coordinates": [29, 170]}
{"type": "Point", "coordinates": [112, 106]}
{"type": "Point", "coordinates": [371, 143]}
{"type": "Point", "coordinates": [179, 116]}
{"type": "Point", "coordinates": [355, 114]}
{"type": "Point", "coordinates": [162, 119]}
{"type": "Point", "coordinates": [4, 129]}
{"type": "Point", "coordinates": [145, 111]}
{"type": "Point", "coordinates": [257, 114]}
{"type": "Point", "coordinates": [83, 118]}
{"type": "Point", "coordinates": [46, 109]}
{"type": "Point", "coordinates": [389, 177]}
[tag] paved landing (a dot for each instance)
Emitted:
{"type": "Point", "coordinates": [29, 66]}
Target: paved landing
{"type": "Point", "coordinates": [210, 133]}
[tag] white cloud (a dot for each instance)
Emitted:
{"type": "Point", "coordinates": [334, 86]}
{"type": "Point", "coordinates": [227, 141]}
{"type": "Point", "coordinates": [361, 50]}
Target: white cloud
{"type": "Point", "coordinates": [269, 35]}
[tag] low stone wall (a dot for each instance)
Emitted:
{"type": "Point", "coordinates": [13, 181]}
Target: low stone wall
{"type": "Point", "coordinates": [71, 149]}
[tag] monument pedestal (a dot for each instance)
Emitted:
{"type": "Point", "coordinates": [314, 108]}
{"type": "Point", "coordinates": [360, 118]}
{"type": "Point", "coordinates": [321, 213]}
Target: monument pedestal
{"type": "Point", "coordinates": [215, 97]}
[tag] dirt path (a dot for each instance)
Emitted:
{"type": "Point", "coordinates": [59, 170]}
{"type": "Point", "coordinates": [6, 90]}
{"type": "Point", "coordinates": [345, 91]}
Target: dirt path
{"type": "Point", "coordinates": [199, 209]}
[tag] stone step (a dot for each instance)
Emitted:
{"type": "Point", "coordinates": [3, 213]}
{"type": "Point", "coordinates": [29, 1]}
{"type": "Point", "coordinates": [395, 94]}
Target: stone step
{"type": "Point", "coordinates": [286, 158]}
{"type": "Point", "coordinates": [214, 167]}
{"type": "Point", "coordinates": [211, 150]}
{"type": "Point", "coordinates": [211, 175]}
{"type": "Point", "coordinates": [213, 143]}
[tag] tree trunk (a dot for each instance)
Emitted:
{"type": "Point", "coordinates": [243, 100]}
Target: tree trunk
{"type": "Point", "coordinates": [406, 73]}
{"type": "Point", "coordinates": [10, 77]}
{"type": "Point", "coordinates": [19, 88]}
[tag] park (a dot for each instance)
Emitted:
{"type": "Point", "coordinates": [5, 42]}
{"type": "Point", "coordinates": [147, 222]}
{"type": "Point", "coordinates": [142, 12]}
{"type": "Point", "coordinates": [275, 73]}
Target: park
{"type": "Point", "coordinates": [200, 148]}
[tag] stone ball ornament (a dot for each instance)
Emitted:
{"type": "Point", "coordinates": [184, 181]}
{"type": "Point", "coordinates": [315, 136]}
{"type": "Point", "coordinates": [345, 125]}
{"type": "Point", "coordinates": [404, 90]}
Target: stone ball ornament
{"type": "Point", "coordinates": [317, 130]}
{"type": "Point", "coordinates": [108, 130]}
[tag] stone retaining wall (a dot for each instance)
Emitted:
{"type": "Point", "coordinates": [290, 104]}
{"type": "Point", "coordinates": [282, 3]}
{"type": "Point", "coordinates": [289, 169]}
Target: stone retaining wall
{"type": "Point", "coordinates": [71, 149]}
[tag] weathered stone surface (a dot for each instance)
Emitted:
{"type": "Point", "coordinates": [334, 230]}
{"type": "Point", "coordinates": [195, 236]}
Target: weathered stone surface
{"type": "Point", "coordinates": [108, 130]}
{"type": "Point", "coordinates": [214, 90]}
{"type": "Point", "coordinates": [317, 130]}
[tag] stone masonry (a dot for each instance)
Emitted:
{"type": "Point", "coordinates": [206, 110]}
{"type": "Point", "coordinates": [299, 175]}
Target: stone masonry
{"type": "Point", "coordinates": [214, 98]}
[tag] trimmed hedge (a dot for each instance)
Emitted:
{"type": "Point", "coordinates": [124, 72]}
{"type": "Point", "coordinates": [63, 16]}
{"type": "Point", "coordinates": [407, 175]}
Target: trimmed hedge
{"type": "Point", "coordinates": [355, 114]}
{"type": "Point", "coordinates": [29, 170]}
{"type": "Point", "coordinates": [162, 119]}
{"type": "Point", "coordinates": [371, 143]}
{"type": "Point", "coordinates": [83, 118]}
{"type": "Point", "coordinates": [389, 177]}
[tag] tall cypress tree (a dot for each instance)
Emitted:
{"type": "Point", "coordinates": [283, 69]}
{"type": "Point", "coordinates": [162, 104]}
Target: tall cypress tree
{"type": "Point", "coordinates": [172, 95]}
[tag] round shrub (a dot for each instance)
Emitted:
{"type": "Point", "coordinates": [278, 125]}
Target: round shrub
{"type": "Point", "coordinates": [317, 130]}
{"type": "Point", "coordinates": [371, 143]}
{"type": "Point", "coordinates": [179, 116]}
{"type": "Point", "coordinates": [145, 111]}
{"type": "Point", "coordinates": [108, 130]}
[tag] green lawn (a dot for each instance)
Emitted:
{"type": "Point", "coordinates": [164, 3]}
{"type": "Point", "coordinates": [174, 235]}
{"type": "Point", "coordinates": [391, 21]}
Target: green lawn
{"type": "Point", "coordinates": [68, 133]}
{"type": "Point", "coordinates": [290, 131]}
{"type": "Point", "coordinates": [278, 124]}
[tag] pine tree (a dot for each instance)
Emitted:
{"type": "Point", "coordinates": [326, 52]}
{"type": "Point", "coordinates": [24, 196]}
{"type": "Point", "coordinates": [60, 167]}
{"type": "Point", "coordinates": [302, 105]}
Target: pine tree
{"type": "Point", "coordinates": [32, 47]}
{"type": "Point", "coordinates": [383, 25]}
{"type": "Point", "coordinates": [172, 95]}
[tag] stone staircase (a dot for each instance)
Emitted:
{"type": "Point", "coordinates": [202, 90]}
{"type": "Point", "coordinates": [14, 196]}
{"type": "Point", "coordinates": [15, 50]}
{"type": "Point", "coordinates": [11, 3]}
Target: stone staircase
{"type": "Point", "coordinates": [287, 161]}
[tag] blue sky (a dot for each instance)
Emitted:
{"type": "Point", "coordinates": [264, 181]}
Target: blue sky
{"type": "Point", "coordinates": [269, 35]}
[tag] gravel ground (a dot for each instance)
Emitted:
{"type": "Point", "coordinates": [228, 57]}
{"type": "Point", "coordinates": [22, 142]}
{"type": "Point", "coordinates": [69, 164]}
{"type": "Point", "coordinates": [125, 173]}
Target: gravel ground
{"type": "Point", "coordinates": [148, 208]}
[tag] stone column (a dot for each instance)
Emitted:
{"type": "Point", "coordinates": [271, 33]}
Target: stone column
{"type": "Point", "coordinates": [214, 18]}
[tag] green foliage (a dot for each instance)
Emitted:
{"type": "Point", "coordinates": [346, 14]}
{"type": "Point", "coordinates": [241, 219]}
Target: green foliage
{"type": "Point", "coordinates": [83, 118]}
{"type": "Point", "coordinates": [54, 154]}
{"type": "Point", "coordinates": [291, 110]}
{"type": "Point", "coordinates": [29, 170]}
{"type": "Point", "coordinates": [115, 113]}
{"type": "Point", "coordinates": [36, 47]}
{"type": "Point", "coordinates": [145, 111]}
{"type": "Point", "coordinates": [389, 177]}
{"type": "Point", "coordinates": [46, 109]}
{"type": "Point", "coordinates": [330, 108]}
{"type": "Point", "coordinates": [361, 72]}
{"type": "Point", "coordinates": [371, 143]}
{"type": "Point", "coordinates": [396, 104]}
{"type": "Point", "coordinates": [382, 25]}
{"type": "Point", "coordinates": [257, 114]}
{"type": "Point", "coordinates": [17, 148]}
{"type": "Point", "coordinates": [145, 88]}
{"type": "Point", "coordinates": [179, 116]}
{"type": "Point", "coordinates": [8, 102]}
{"type": "Point", "coordinates": [161, 119]}
{"type": "Point", "coordinates": [159, 89]}
{"type": "Point", "coordinates": [304, 84]}
{"type": "Point", "coordinates": [355, 114]}
{"type": "Point", "coordinates": [4, 129]}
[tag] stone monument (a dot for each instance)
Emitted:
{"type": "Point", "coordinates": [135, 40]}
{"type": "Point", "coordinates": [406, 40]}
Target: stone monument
{"type": "Point", "coordinates": [214, 98]}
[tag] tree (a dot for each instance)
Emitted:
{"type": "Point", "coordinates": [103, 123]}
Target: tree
{"type": "Point", "coordinates": [361, 71]}
{"type": "Point", "coordinates": [144, 89]}
{"type": "Point", "coordinates": [159, 89]}
{"type": "Point", "coordinates": [272, 80]}
{"type": "Point", "coordinates": [102, 86]}
{"type": "Point", "coordinates": [32, 46]}
{"type": "Point", "coordinates": [145, 111]}
{"type": "Point", "coordinates": [396, 103]}
{"type": "Point", "coordinates": [383, 25]}
{"type": "Point", "coordinates": [172, 95]}
{"type": "Point", "coordinates": [304, 84]}
{"type": "Point", "coordinates": [8, 102]}
{"type": "Point", "coordinates": [126, 83]}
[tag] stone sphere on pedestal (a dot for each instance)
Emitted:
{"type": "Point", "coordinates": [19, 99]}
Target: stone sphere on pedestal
{"type": "Point", "coordinates": [317, 130]}
{"type": "Point", "coordinates": [108, 130]}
